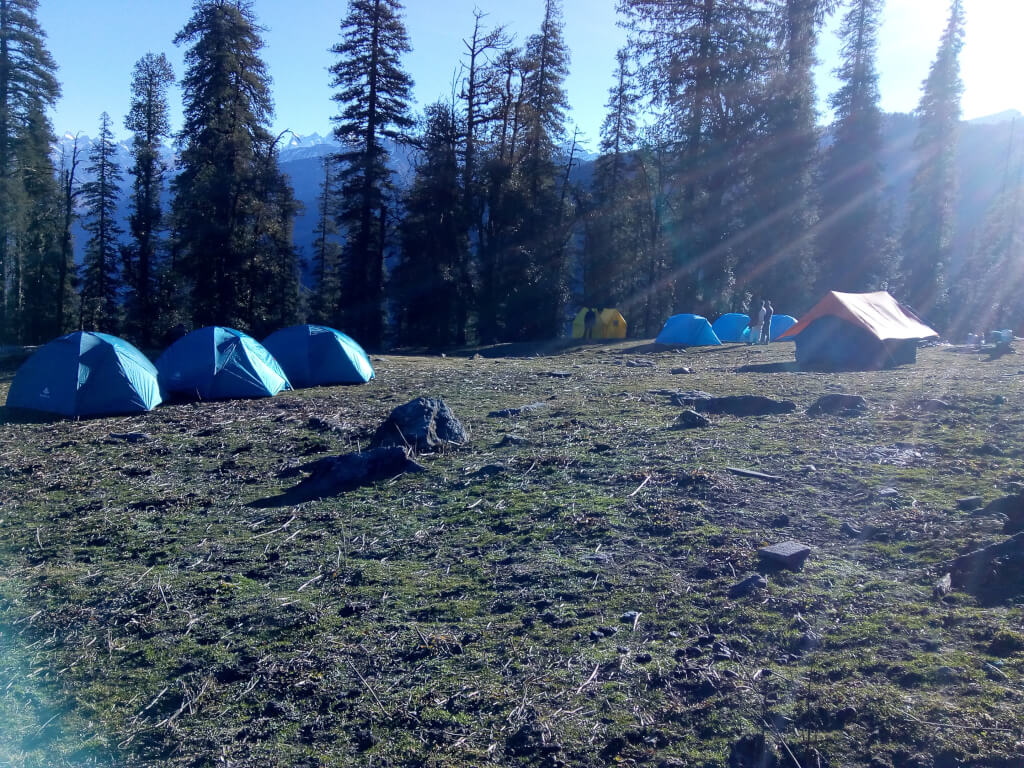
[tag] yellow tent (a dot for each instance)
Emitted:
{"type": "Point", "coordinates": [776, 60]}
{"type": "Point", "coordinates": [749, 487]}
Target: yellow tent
{"type": "Point", "coordinates": [610, 324]}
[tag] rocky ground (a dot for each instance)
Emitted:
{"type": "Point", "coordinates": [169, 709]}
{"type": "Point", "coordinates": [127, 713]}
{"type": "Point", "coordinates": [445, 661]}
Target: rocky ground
{"type": "Point", "coordinates": [578, 584]}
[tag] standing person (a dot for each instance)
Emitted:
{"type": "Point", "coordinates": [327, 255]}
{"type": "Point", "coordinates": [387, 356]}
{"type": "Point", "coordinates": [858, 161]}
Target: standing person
{"type": "Point", "coordinates": [589, 321]}
{"type": "Point", "coordinates": [756, 319]}
{"type": "Point", "coordinates": [766, 323]}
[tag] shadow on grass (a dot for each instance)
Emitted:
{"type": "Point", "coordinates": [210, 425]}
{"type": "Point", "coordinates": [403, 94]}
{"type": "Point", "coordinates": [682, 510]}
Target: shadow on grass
{"type": "Point", "coordinates": [787, 367]}
{"type": "Point", "coordinates": [26, 416]}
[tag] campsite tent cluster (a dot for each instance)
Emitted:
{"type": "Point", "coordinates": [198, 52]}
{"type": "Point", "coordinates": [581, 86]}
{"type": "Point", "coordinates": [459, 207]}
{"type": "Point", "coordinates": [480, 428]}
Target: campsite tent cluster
{"type": "Point", "coordinates": [843, 330]}
{"type": "Point", "coordinates": [91, 374]}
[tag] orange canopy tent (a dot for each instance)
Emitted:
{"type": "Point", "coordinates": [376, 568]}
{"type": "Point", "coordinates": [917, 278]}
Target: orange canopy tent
{"type": "Point", "coordinates": [857, 330]}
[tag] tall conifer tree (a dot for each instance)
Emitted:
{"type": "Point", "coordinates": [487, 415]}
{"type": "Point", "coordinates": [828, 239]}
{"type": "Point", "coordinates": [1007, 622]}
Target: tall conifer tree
{"type": "Point", "coordinates": [928, 236]}
{"type": "Point", "coordinates": [149, 120]}
{"type": "Point", "coordinates": [373, 94]}
{"type": "Point", "coordinates": [852, 234]}
{"type": "Point", "coordinates": [29, 224]}
{"type": "Point", "coordinates": [229, 196]}
{"type": "Point", "coordinates": [100, 274]}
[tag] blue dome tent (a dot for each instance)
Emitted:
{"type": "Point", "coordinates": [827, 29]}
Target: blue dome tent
{"type": "Point", "coordinates": [86, 374]}
{"type": "Point", "coordinates": [692, 330]}
{"type": "Point", "coordinates": [730, 326]}
{"type": "Point", "coordinates": [314, 355]}
{"type": "Point", "coordinates": [217, 363]}
{"type": "Point", "coordinates": [780, 324]}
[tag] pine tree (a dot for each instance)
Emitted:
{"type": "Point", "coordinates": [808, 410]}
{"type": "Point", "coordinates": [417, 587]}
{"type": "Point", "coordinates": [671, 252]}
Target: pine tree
{"type": "Point", "coordinates": [928, 235]}
{"type": "Point", "coordinates": [148, 118]}
{"type": "Point", "coordinates": [374, 94]}
{"type": "Point", "coordinates": [100, 275]}
{"type": "Point", "coordinates": [230, 202]}
{"type": "Point", "coordinates": [431, 278]}
{"type": "Point", "coordinates": [701, 63]}
{"type": "Point", "coordinates": [326, 253]}
{"type": "Point", "coordinates": [66, 295]}
{"type": "Point", "coordinates": [784, 211]}
{"type": "Point", "coordinates": [609, 239]}
{"type": "Point", "coordinates": [852, 232]}
{"type": "Point", "coordinates": [29, 225]}
{"type": "Point", "coordinates": [536, 279]}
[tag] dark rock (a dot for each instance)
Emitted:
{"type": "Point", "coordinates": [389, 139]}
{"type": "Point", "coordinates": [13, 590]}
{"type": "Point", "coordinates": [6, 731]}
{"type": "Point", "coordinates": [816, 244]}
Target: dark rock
{"type": "Point", "coordinates": [969, 503]}
{"type": "Point", "coordinates": [1006, 643]}
{"type": "Point", "coordinates": [753, 582]}
{"type": "Point", "coordinates": [629, 617]}
{"type": "Point", "coordinates": [643, 658]}
{"type": "Point", "coordinates": [1012, 507]}
{"type": "Point", "coordinates": [686, 399]}
{"type": "Point", "coordinates": [752, 751]}
{"type": "Point", "coordinates": [996, 568]}
{"type": "Point", "coordinates": [681, 370]}
{"type": "Point", "coordinates": [850, 529]}
{"type": "Point", "coordinates": [336, 474]}
{"type": "Point", "coordinates": [489, 470]}
{"type": "Point", "coordinates": [988, 449]}
{"type": "Point", "coordinates": [845, 715]}
{"type": "Point", "coordinates": [742, 405]}
{"type": "Point", "coordinates": [423, 424]}
{"type": "Point", "coordinates": [614, 746]}
{"type": "Point", "coordinates": [808, 641]}
{"type": "Point", "coordinates": [690, 419]}
{"type": "Point", "coordinates": [608, 631]}
{"type": "Point", "coordinates": [780, 522]}
{"type": "Point", "coordinates": [886, 493]}
{"type": "Point", "coordinates": [596, 635]}
{"type": "Point", "coordinates": [525, 741]}
{"type": "Point", "coordinates": [787, 554]}
{"type": "Point", "coordinates": [513, 440]}
{"type": "Point", "coordinates": [844, 405]}
{"type": "Point", "coordinates": [506, 413]}
{"type": "Point", "coordinates": [639, 364]}
{"type": "Point", "coordinates": [559, 374]}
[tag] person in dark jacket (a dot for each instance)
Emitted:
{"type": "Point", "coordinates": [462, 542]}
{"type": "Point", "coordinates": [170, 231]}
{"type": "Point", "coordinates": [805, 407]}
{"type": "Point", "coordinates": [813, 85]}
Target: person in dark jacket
{"type": "Point", "coordinates": [589, 321]}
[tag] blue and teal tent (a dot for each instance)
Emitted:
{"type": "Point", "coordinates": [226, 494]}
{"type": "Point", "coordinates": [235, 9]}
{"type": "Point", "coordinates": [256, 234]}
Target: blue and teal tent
{"type": "Point", "coordinates": [691, 330]}
{"type": "Point", "coordinates": [730, 326]}
{"type": "Point", "coordinates": [215, 363]}
{"type": "Point", "coordinates": [315, 356]}
{"type": "Point", "coordinates": [86, 374]}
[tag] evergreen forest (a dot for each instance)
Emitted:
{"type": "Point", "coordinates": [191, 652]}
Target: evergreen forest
{"type": "Point", "coordinates": [715, 185]}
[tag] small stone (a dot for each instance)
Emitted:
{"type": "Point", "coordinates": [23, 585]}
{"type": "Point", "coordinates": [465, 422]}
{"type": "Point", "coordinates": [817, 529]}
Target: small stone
{"type": "Point", "coordinates": [998, 400]}
{"type": "Point", "coordinates": [969, 503]}
{"type": "Point", "coordinates": [886, 493]}
{"type": "Point", "coordinates": [781, 521]}
{"type": "Point", "coordinates": [850, 529]}
{"type": "Point", "coordinates": [639, 364]}
{"type": "Point", "coordinates": [608, 631]}
{"type": "Point", "coordinates": [559, 374]}
{"type": "Point", "coordinates": [845, 405]}
{"type": "Point", "coordinates": [809, 641]}
{"type": "Point", "coordinates": [597, 635]}
{"type": "Point", "coordinates": [846, 715]}
{"type": "Point", "coordinates": [682, 370]}
{"type": "Point", "coordinates": [690, 419]}
{"type": "Point", "coordinates": [753, 582]}
{"type": "Point", "coordinates": [946, 675]}
{"type": "Point", "coordinates": [629, 617]}
{"type": "Point", "coordinates": [505, 413]}
{"type": "Point", "coordinates": [130, 437]}
{"type": "Point", "coordinates": [643, 658]}
{"type": "Point", "coordinates": [787, 554]}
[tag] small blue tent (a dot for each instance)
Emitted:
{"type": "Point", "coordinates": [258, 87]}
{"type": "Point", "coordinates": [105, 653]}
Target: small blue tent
{"type": "Point", "coordinates": [86, 374]}
{"type": "Point", "coordinates": [692, 330]}
{"type": "Point", "coordinates": [314, 356]}
{"type": "Point", "coordinates": [216, 363]}
{"type": "Point", "coordinates": [730, 326]}
{"type": "Point", "coordinates": [780, 324]}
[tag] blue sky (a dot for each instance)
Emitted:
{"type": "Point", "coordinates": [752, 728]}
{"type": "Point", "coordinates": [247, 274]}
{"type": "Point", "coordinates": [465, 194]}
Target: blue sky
{"type": "Point", "coordinates": [96, 47]}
